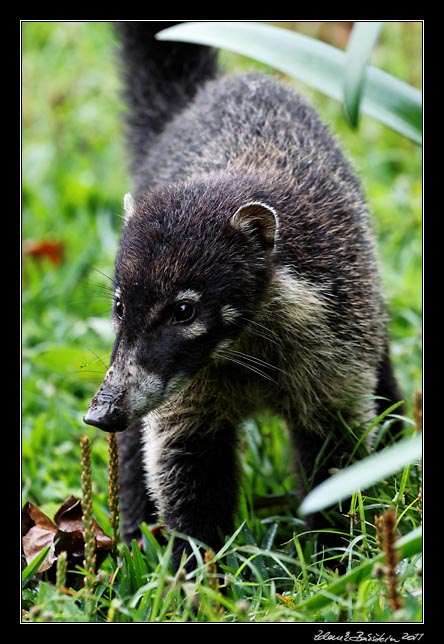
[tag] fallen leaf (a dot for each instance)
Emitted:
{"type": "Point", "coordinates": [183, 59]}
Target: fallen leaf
{"type": "Point", "coordinates": [39, 249]}
{"type": "Point", "coordinates": [38, 531]}
{"type": "Point", "coordinates": [65, 534]}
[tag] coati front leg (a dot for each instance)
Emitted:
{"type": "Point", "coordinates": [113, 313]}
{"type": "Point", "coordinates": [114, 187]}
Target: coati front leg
{"type": "Point", "coordinates": [136, 506]}
{"type": "Point", "coordinates": [192, 473]}
{"type": "Point", "coordinates": [316, 456]}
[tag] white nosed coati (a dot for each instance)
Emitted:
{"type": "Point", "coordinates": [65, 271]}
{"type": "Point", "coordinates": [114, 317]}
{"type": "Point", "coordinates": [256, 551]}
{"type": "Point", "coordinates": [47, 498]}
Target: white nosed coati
{"type": "Point", "coordinates": [245, 281]}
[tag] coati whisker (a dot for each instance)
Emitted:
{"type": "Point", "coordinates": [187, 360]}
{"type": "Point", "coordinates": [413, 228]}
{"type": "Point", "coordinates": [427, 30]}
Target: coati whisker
{"type": "Point", "coordinates": [268, 338]}
{"type": "Point", "coordinates": [98, 358]}
{"type": "Point", "coordinates": [256, 323]}
{"type": "Point", "coordinates": [242, 363]}
{"type": "Point", "coordinates": [253, 359]}
{"type": "Point", "coordinates": [102, 291]}
{"type": "Point", "coordinates": [98, 375]}
{"type": "Point", "coordinates": [108, 277]}
{"type": "Point", "coordinates": [255, 331]}
{"type": "Point", "coordinates": [102, 287]}
{"type": "Point", "coordinates": [104, 297]}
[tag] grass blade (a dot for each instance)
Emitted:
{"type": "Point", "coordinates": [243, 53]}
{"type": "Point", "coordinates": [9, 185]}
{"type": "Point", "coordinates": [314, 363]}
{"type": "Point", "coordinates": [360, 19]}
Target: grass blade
{"type": "Point", "coordinates": [128, 583]}
{"type": "Point", "coordinates": [377, 421]}
{"type": "Point", "coordinates": [386, 98]}
{"type": "Point", "coordinates": [230, 540]}
{"type": "Point", "coordinates": [140, 571]}
{"type": "Point", "coordinates": [360, 475]}
{"type": "Point", "coordinates": [259, 561]}
{"type": "Point", "coordinates": [362, 41]}
{"type": "Point", "coordinates": [31, 568]}
{"type": "Point", "coordinates": [161, 572]}
{"type": "Point", "coordinates": [394, 103]}
{"type": "Point", "coordinates": [407, 546]}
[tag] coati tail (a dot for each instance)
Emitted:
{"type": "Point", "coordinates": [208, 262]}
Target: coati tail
{"type": "Point", "coordinates": [160, 79]}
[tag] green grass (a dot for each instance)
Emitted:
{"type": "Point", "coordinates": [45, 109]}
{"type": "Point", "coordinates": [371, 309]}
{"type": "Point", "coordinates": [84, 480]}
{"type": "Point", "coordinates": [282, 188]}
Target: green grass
{"type": "Point", "coordinates": [74, 178]}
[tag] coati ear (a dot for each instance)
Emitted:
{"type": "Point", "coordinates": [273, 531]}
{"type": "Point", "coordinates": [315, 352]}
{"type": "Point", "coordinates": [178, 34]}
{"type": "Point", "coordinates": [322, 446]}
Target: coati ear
{"type": "Point", "coordinates": [129, 207]}
{"type": "Point", "coordinates": [259, 221]}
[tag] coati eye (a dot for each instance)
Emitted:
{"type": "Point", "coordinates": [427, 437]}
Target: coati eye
{"type": "Point", "coordinates": [183, 312]}
{"type": "Point", "coordinates": [118, 306]}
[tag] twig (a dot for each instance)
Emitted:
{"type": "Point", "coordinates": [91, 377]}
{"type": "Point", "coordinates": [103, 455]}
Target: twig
{"type": "Point", "coordinates": [386, 537]}
{"type": "Point", "coordinates": [211, 576]}
{"type": "Point", "coordinates": [88, 517]}
{"type": "Point", "coordinates": [379, 525]}
{"type": "Point", "coordinates": [113, 489]}
{"type": "Point", "coordinates": [62, 565]}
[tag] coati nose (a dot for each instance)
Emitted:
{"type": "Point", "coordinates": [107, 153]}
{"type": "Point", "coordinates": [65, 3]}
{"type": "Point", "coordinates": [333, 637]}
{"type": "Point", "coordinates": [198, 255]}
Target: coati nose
{"type": "Point", "coordinates": [104, 413]}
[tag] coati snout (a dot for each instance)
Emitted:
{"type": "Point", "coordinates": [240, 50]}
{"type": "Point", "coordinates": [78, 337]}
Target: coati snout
{"type": "Point", "coordinates": [163, 340]}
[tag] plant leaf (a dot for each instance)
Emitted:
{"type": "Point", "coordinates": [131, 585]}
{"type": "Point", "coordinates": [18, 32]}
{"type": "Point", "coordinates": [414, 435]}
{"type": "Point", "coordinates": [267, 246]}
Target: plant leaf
{"type": "Point", "coordinates": [312, 61]}
{"type": "Point", "coordinates": [45, 248]}
{"type": "Point", "coordinates": [140, 569]}
{"type": "Point", "coordinates": [259, 561]}
{"type": "Point", "coordinates": [32, 568]}
{"type": "Point", "coordinates": [315, 63]}
{"type": "Point", "coordinates": [406, 546]}
{"type": "Point", "coordinates": [360, 475]}
{"type": "Point", "coordinates": [362, 41]}
{"type": "Point", "coordinates": [39, 534]}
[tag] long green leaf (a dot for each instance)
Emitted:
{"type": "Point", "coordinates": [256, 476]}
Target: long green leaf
{"type": "Point", "coordinates": [250, 540]}
{"type": "Point", "coordinates": [162, 571]}
{"type": "Point", "coordinates": [360, 475]}
{"type": "Point", "coordinates": [140, 571]}
{"type": "Point", "coordinates": [315, 63]}
{"type": "Point", "coordinates": [32, 567]}
{"type": "Point", "coordinates": [406, 546]}
{"type": "Point", "coordinates": [362, 41]}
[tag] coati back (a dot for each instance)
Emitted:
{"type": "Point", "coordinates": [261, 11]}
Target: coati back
{"type": "Point", "coordinates": [245, 281]}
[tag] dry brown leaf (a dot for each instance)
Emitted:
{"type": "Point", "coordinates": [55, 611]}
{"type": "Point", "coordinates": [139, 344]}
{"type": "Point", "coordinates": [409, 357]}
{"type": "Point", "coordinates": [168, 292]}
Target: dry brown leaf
{"type": "Point", "coordinates": [38, 531]}
{"type": "Point", "coordinates": [53, 250]}
{"type": "Point", "coordinates": [66, 534]}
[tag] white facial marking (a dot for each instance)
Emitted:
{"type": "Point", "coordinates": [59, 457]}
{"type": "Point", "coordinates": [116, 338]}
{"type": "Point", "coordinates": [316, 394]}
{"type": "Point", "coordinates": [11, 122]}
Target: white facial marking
{"type": "Point", "coordinates": [193, 330]}
{"type": "Point", "coordinates": [229, 314]}
{"type": "Point", "coordinates": [143, 386]}
{"type": "Point", "coordinates": [302, 300]}
{"type": "Point", "coordinates": [189, 294]}
{"type": "Point", "coordinates": [129, 206]}
{"type": "Point", "coordinates": [140, 390]}
{"type": "Point", "coordinates": [154, 312]}
{"type": "Point", "coordinates": [114, 323]}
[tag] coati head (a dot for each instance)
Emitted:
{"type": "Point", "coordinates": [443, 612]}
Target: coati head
{"type": "Point", "coordinates": [192, 269]}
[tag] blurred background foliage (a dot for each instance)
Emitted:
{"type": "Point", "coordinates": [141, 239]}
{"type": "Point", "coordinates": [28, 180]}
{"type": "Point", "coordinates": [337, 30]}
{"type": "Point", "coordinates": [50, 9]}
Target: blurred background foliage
{"type": "Point", "coordinates": [74, 175]}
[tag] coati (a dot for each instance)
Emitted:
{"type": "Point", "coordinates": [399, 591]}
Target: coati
{"type": "Point", "coordinates": [245, 281]}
